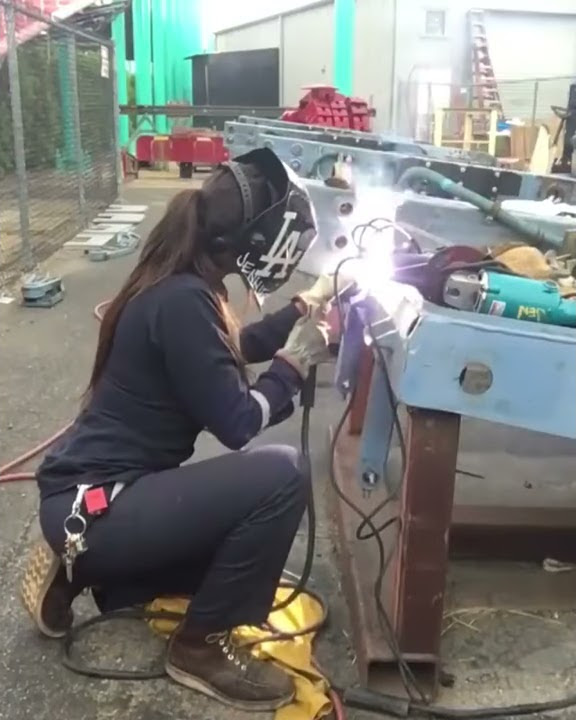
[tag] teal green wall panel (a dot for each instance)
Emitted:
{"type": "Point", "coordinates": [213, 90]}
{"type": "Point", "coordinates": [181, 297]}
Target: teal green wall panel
{"type": "Point", "coordinates": [119, 37]}
{"type": "Point", "coordinates": [159, 67]}
{"type": "Point", "coordinates": [142, 14]}
{"type": "Point", "coordinates": [166, 32]}
{"type": "Point", "coordinates": [344, 29]}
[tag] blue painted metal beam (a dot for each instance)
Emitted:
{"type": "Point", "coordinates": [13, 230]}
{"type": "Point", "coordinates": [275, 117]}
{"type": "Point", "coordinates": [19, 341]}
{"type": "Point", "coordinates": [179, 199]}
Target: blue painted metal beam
{"type": "Point", "coordinates": [486, 367]}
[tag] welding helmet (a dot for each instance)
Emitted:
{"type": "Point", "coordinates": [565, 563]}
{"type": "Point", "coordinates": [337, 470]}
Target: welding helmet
{"type": "Point", "coordinates": [269, 246]}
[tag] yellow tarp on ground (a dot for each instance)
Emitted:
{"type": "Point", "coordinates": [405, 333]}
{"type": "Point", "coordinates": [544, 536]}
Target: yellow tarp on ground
{"type": "Point", "coordinates": [295, 656]}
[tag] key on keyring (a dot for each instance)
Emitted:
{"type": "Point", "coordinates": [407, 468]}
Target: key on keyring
{"type": "Point", "coordinates": [75, 545]}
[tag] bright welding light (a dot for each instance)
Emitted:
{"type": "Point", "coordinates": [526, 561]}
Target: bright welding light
{"type": "Point", "coordinates": [373, 269]}
{"type": "Point", "coordinates": [370, 229]}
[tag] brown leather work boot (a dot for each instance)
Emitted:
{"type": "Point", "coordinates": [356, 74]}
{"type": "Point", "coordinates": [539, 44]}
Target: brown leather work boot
{"type": "Point", "coordinates": [46, 594]}
{"type": "Point", "coordinates": [216, 667]}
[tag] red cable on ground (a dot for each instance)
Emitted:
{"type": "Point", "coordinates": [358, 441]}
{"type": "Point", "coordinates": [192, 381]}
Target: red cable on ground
{"type": "Point", "coordinates": [339, 712]}
{"type": "Point", "coordinates": [6, 474]}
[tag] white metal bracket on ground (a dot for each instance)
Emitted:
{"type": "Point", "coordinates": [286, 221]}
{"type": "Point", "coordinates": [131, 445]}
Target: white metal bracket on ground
{"type": "Point", "coordinates": [128, 208]}
{"type": "Point", "coordinates": [118, 217]}
{"type": "Point", "coordinates": [110, 229]}
{"type": "Point", "coordinates": [89, 239]}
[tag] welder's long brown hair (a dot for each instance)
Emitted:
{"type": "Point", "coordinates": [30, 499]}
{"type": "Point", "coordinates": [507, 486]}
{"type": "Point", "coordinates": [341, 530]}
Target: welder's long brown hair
{"type": "Point", "coordinates": [178, 245]}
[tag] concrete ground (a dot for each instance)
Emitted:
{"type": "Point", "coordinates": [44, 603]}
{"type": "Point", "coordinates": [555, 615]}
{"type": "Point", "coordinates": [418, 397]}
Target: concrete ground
{"type": "Point", "coordinates": [510, 631]}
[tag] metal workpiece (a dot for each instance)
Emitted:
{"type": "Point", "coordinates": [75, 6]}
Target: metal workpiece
{"type": "Point", "coordinates": [352, 347]}
{"type": "Point", "coordinates": [313, 158]}
{"type": "Point", "coordinates": [457, 221]}
{"type": "Point", "coordinates": [381, 161]}
{"type": "Point", "coordinates": [274, 124]}
{"type": "Point", "coordinates": [432, 221]}
{"type": "Point", "coordinates": [337, 212]}
{"type": "Point", "coordinates": [255, 130]}
{"type": "Point", "coordinates": [523, 226]}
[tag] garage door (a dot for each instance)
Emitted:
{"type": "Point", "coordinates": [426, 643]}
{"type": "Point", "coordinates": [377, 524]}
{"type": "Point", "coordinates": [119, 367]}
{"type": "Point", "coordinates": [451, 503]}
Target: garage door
{"type": "Point", "coordinates": [524, 46]}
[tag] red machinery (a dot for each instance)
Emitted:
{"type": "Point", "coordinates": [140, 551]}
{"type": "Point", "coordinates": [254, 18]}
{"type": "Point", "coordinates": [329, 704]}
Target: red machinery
{"type": "Point", "coordinates": [324, 105]}
{"type": "Point", "coordinates": [198, 147]}
{"type": "Point", "coordinates": [189, 147]}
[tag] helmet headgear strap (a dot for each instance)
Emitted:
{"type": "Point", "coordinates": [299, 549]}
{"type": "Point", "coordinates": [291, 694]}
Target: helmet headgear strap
{"type": "Point", "coordinates": [245, 190]}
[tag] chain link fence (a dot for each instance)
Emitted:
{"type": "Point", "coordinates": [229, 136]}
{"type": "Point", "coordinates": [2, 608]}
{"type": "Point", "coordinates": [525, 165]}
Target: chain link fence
{"type": "Point", "coordinates": [527, 101]}
{"type": "Point", "coordinates": [58, 145]}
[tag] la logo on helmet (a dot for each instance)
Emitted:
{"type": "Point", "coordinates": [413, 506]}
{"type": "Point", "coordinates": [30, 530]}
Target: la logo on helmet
{"type": "Point", "coordinates": [283, 255]}
{"type": "Point", "coordinates": [284, 252]}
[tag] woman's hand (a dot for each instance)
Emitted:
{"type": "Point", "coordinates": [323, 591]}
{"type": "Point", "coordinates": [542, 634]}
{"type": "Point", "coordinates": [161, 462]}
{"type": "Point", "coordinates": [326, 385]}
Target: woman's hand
{"type": "Point", "coordinates": [320, 294]}
{"type": "Point", "coordinates": [307, 345]}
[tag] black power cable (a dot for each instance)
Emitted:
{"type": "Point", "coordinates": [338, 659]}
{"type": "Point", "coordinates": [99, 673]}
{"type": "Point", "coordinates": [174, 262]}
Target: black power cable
{"type": "Point", "coordinates": [307, 400]}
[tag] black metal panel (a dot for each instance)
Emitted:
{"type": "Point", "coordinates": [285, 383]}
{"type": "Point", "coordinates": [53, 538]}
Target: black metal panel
{"type": "Point", "coordinates": [570, 130]}
{"type": "Point", "coordinates": [247, 78]}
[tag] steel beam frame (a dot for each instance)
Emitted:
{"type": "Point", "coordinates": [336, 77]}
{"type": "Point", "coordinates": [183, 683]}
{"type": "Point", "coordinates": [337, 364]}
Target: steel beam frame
{"type": "Point", "coordinates": [181, 110]}
{"type": "Point", "coordinates": [430, 529]}
{"type": "Point", "coordinates": [381, 160]}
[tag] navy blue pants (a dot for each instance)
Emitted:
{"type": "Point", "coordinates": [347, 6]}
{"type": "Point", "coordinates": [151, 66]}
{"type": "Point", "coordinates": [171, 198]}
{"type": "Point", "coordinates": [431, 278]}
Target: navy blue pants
{"type": "Point", "coordinates": [219, 530]}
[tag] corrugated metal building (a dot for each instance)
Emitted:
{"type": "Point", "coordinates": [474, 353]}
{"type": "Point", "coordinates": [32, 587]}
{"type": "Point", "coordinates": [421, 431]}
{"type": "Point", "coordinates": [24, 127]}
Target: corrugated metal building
{"type": "Point", "coordinates": [402, 46]}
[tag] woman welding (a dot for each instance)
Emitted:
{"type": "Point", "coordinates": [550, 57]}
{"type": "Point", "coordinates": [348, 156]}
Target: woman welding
{"type": "Point", "coordinates": [120, 513]}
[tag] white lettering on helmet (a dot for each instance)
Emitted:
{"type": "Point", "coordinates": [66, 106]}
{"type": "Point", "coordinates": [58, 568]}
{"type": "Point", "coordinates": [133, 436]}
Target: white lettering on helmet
{"type": "Point", "coordinates": [247, 268]}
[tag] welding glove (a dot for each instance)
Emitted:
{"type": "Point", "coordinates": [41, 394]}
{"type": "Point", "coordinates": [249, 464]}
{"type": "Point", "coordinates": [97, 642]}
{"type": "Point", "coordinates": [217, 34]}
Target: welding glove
{"type": "Point", "coordinates": [307, 345]}
{"type": "Point", "coordinates": [321, 293]}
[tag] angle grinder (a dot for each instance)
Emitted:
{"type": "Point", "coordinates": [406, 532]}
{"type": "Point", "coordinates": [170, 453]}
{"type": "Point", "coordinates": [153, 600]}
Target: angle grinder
{"type": "Point", "coordinates": [497, 293]}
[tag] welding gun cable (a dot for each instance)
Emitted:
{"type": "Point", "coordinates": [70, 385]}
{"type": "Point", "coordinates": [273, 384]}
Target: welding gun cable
{"type": "Point", "coordinates": [302, 582]}
{"type": "Point", "coordinates": [71, 661]}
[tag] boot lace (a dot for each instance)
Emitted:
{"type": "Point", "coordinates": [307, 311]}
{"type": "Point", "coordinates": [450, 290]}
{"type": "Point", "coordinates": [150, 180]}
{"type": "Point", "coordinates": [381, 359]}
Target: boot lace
{"type": "Point", "coordinates": [233, 653]}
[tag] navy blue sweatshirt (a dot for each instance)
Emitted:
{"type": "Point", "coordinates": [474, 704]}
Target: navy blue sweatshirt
{"type": "Point", "coordinates": [170, 375]}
